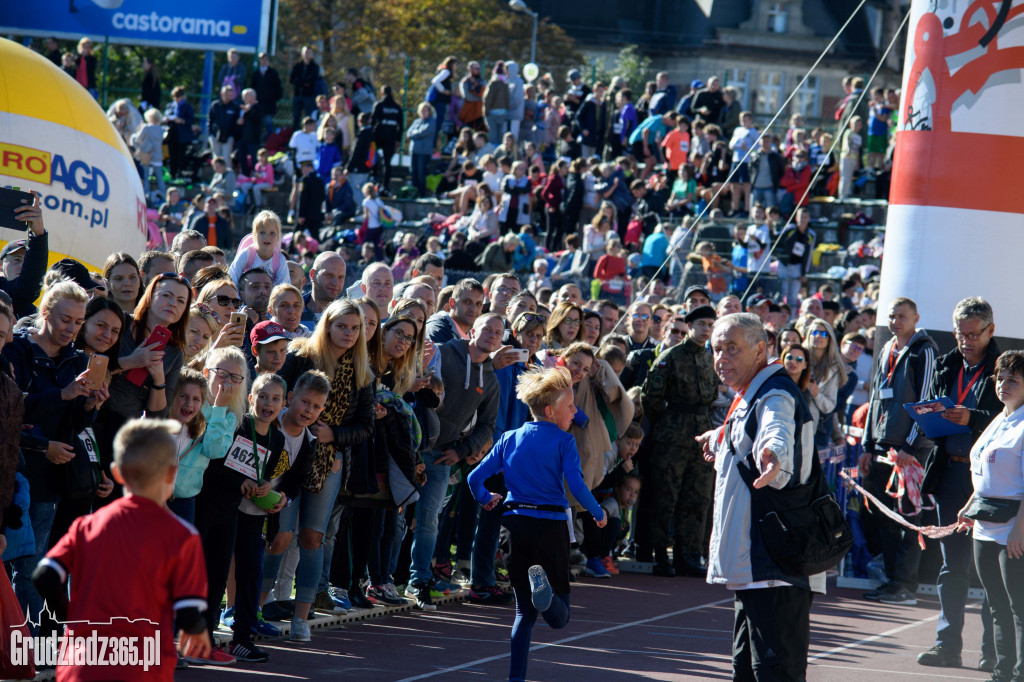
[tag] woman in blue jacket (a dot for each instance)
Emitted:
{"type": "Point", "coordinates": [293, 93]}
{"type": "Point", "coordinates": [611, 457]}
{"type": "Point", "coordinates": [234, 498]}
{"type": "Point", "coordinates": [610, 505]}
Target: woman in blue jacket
{"type": "Point", "coordinates": [421, 136]}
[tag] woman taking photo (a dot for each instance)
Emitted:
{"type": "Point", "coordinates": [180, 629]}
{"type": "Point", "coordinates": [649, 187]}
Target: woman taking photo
{"type": "Point", "coordinates": [124, 282]}
{"type": "Point", "coordinates": [100, 335]}
{"type": "Point", "coordinates": [337, 348]}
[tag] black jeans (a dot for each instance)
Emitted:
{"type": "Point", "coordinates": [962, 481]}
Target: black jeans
{"type": "Point", "coordinates": [216, 521]}
{"type": "Point", "coordinates": [1003, 580]}
{"type": "Point", "coordinates": [249, 546]}
{"type": "Point", "coordinates": [554, 240]}
{"type": "Point", "coordinates": [771, 634]}
{"type": "Point", "coordinates": [899, 546]}
{"type": "Point", "coordinates": [957, 558]}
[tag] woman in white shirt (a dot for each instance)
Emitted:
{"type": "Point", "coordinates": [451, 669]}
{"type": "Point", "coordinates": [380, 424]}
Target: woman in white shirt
{"type": "Point", "coordinates": [994, 510]}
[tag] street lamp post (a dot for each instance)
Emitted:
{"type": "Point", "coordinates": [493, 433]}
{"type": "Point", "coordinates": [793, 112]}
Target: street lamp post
{"type": "Point", "coordinates": [520, 6]}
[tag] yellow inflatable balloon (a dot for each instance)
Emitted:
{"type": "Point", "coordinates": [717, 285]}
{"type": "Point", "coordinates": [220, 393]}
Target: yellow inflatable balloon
{"type": "Point", "coordinates": [56, 140]}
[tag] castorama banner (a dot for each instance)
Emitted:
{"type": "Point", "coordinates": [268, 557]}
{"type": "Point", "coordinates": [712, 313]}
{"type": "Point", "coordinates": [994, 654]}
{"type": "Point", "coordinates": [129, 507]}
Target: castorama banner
{"type": "Point", "coordinates": [194, 24]}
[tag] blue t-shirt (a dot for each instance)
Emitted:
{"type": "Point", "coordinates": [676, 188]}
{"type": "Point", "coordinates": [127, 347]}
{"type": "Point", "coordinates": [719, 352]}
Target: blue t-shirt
{"type": "Point", "coordinates": [655, 247]}
{"type": "Point", "coordinates": [535, 459]}
{"type": "Point", "coordinates": [876, 126]}
{"type": "Point", "coordinates": [655, 125]}
{"type": "Point", "coordinates": [739, 259]}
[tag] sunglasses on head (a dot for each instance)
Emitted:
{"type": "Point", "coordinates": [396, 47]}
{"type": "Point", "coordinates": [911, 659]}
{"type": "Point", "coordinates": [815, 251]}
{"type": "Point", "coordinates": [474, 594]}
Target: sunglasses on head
{"type": "Point", "coordinates": [175, 276]}
{"type": "Point", "coordinates": [530, 317]}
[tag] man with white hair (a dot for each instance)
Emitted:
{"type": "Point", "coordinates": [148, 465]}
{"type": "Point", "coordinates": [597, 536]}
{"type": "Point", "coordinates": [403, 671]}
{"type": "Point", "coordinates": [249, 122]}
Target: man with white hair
{"type": "Point", "coordinates": [768, 428]}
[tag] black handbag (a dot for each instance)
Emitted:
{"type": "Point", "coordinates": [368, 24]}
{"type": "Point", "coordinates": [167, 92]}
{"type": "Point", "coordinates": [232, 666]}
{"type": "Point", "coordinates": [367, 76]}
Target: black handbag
{"type": "Point", "coordinates": [992, 509]}
{"type": "Point", "coordinates": [802, 527]}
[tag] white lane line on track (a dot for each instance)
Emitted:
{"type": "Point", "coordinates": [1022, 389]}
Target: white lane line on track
{"type": "Point", "coordinates": [872, 638]}
{"type": "Point", "coordinates": [545, 645]}
{"type": "Point", "coordinates": [929, 675]}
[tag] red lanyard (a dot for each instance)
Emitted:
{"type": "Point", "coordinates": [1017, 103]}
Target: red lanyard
{"type": "Point", "coordinates": [962, 392]}
{"type": "Point", "coordinates": [735, 402]}
{"type": "Point", "coordinates": [893, 357]}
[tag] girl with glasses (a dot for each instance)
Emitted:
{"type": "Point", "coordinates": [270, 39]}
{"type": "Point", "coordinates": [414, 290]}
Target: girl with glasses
{"type": "Point", "coordinates": [565, 326]}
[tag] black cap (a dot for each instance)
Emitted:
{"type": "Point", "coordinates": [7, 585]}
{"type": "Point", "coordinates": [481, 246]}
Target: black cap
{"type": "Point", "coordinates": [696, 288]}
{"type": "Point", "coordinates": [11, 247]}
{"type": "Point", "coordinates": [75, 272]}
{"type": "Point", "coordinates": [704, 312]}
{"type": "Point", "coordinates": [756, 300]}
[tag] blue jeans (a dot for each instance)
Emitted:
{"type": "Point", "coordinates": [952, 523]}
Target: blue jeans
{"type": "Point", "coordinates": [41, 514]}
{"type": "Point", "coordinates": [268, 125]}
{"type": "Point", "coordinates": [183, 508]}
{"type": "Point", "coordinates": [764, 196]}
{"type": "Point", "coordinates": [418, 170]}
{"type": "Point", "coordinates": [330, 537]}
{"type": "Point", "coordinates": [485, 546]}
{"type": "Point", "coordinates": [497, 124]}
{"type": "Point", "coordinates": [557, 616]}
{"type": "Point", "coordinates": [790, 277]}
{"type": "Point", "coordinates": [314, 512]}
{"type": "Point", "coordinates": [396, 544]}
{"type": "Point", "coordinates": [428, 508]}
{"type": "Point", "coordinates": [957, 557]}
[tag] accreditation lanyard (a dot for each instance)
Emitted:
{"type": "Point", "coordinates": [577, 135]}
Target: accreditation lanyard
{"type": "Point", "coordinates": [256, 454]}
{"type": "Point", "coordinates": [735, 404]}
{"type": "Point", "coordinates": [894, 355]}
{"type": "Point", "coordinates": [961, 391]}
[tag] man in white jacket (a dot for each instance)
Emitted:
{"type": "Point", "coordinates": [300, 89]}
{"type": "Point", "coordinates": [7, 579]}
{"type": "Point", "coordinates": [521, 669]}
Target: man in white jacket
{"type": "Point", "coordinates": [767, 419]}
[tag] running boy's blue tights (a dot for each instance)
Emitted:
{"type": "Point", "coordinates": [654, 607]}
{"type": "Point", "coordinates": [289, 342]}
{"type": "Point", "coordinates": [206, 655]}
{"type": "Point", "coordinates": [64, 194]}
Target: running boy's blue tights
{"type": "Point", "coordinates": [557, 616]}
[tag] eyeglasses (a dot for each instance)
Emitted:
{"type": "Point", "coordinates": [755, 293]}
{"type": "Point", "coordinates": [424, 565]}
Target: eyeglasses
{"type": "Point", "coordinates": [853, 349]}
{"type": "Point", "coordinates": [506, 290]}
{"type": "Point", "coordinates": [224, 374]}
{"type": "Point", "coordinates": [402, 336]}
{"type": "Point", "coordinates": [794, 358]}
{"type": "Point", "coordinates": [657, 319]}
{"type": "Point", "coordinates": [572, 321]}
{"type": "Point", "coordinates": [641, 316]}
{"type": "Point", "coordinates": [820, 333]}
{"type": "Point", "coordinates": [677, 332]}
{"type": "Point", "coordinates": [971, 337]}
{"type": "Point", "coordinates": [227, 301]}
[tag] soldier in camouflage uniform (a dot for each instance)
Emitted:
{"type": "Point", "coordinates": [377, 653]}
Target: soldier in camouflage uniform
{"type": "Point", "coordinates": [677, 397]}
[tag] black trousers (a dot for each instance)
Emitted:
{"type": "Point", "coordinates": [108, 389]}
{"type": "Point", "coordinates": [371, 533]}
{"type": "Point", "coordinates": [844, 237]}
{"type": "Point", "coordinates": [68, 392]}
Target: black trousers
{"type": "Point", "coordinates": [1003, 580]}
{"type": "Point", "coordinates": [216, 521]}
{"type": "Point", "coordinates": [249, 547]}
{"type": "Point", "coordinates": [771, 634]}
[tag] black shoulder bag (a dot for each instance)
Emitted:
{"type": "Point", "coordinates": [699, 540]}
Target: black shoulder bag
{"type": "Point", "coordinates": [801, 526]}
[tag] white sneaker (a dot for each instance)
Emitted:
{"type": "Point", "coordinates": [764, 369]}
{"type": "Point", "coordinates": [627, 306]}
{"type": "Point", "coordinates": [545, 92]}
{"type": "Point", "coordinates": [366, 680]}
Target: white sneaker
{"type": "Point", "coordinates": [300, 630]}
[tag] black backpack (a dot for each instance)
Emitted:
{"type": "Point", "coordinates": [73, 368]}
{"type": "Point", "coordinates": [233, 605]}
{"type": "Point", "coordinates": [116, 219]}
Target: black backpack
{"type": "Point", "coordinates": [802, 527]}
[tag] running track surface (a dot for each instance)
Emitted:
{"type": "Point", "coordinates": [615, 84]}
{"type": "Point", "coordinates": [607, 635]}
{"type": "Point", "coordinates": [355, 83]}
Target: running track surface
{"type": "Point", "coordinates": [632, 627]}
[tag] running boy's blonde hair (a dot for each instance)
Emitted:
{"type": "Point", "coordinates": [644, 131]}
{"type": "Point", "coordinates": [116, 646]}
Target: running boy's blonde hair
{"type": "Point", "coordinates": [264, 218]}
{"type": "Point", "coordinates": [540, 388]}
{"type": "Point", "coordinates": [144, 449]}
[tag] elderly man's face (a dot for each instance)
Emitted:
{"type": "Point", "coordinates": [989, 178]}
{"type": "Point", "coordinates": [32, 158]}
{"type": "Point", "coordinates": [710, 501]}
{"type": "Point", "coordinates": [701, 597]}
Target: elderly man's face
{"type": "Point", "coordinates": [379, 286]}
{"type": "Point", "coordinates": [736, 361]}
{"type": "Point", "coordinates": [811, 306]}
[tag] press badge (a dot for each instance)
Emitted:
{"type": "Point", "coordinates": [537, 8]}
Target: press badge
{"type": "Point", "coordinates": [885, 393]}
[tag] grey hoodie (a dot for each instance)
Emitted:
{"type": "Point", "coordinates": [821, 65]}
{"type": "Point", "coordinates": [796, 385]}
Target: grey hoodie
{"type": "Point", "coordinates": [470, 400]}
{"type": "Point", "coordinates": [516, 96]}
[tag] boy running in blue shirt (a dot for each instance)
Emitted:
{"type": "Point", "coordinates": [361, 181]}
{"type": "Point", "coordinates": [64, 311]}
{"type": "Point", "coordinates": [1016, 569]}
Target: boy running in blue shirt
{"type": "Point", "coordinates": [535, 459]}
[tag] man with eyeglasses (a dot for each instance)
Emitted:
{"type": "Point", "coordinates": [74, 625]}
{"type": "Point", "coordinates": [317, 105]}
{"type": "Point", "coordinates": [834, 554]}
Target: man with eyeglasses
{"type": "Point", "coordinates": [677, 396]}
{"type": "Point", "coordinates": [965, 374]}
{"type": "Point", "coordinates": [639, 326]}
{"type": "Point", "coordinates": [503, 288]}
{"type": "Point", "coordinates": [327, 280]}
{"type": "Point", "coordinates": [903, 374]}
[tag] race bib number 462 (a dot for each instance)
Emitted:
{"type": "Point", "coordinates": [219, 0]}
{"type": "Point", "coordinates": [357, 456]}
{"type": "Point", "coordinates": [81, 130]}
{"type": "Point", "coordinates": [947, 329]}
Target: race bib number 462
{"type": "Point", "coordinates": [240, 458]}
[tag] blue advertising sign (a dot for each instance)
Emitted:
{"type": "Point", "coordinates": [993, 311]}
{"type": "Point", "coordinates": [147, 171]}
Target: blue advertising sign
{"type": "Point", "coordinates": [190, 24]}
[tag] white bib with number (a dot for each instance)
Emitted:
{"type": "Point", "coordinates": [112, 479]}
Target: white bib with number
{"type": "Point", "coordinates": [798, 249]}
{"type": "Point", "coordinates": [89, 440]}
{"type": "Point", "coordinates": [240, 458]}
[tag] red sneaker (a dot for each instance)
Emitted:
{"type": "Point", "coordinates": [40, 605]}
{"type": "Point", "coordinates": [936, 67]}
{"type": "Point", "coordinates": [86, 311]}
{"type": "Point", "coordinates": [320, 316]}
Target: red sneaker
{"type": "Point", "coordinates": [217, 656]}
{"type": "Point", "coordinates": [610, 566]}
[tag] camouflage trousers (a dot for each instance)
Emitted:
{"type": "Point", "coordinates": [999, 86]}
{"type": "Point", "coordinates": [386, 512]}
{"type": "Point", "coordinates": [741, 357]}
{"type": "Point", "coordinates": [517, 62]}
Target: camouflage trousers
{"type": "Point", "coordinates": [683, 489]}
